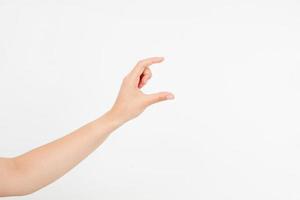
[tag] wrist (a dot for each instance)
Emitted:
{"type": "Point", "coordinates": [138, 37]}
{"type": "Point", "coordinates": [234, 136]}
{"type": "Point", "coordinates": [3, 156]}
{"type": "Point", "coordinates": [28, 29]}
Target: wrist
{"type": "Point", "coordinates": [114, 118]}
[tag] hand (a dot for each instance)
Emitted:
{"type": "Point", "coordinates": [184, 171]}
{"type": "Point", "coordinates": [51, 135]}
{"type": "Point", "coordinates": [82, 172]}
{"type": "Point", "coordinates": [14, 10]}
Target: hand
{"type": "Point", "coordinates": [131, 101]}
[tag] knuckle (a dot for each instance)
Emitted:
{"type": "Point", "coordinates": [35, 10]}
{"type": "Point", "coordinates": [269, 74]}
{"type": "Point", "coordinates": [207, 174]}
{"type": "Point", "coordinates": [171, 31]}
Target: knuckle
{"type": "Point", "coordinates": [144, 62]}
{"type": "Point", "coordinates": [140, 62]}
{"type": "Point", "coordinates": [160, 98]}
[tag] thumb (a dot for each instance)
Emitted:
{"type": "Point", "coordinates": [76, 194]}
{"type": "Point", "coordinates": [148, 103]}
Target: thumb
{"type": "Point", "coordinates": [158, 97]}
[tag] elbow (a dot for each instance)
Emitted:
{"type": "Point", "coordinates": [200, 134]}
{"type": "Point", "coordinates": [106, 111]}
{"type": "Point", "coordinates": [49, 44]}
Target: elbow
{"type": "Point", "coordinates": [24, 191]}
{"type": "Point", "coordinates": [14, 181]}
{"type": "Point", "coordinates": [15, 188]}
{"type": "Point", "coordinates": [15, 192]}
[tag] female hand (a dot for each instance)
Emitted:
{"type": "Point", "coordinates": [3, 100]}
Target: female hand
{"type": "Point", "coordinates": [131, 101]}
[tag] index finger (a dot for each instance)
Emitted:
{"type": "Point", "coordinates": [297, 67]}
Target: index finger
{"type": "Point", "coordinates": [142, 64]}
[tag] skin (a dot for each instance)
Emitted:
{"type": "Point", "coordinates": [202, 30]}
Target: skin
{"type": "Point", "coordinates": [29, 172]}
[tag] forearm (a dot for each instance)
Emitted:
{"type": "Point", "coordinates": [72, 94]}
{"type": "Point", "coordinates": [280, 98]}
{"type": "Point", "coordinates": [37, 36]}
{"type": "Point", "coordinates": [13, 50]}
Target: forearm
{"type": "Point", "coordinates": [47, 163]}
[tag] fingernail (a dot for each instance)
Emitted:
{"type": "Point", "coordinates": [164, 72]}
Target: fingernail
{"type": "Point", "coordinates": [170, 96]}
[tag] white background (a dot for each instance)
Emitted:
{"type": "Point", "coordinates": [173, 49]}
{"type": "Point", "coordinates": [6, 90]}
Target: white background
{"type": "Point", "coordinates": [233, 131]}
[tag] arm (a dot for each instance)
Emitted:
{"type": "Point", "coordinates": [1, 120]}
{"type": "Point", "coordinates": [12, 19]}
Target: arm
{"type": "Point", "coordinates": [35, 169]}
